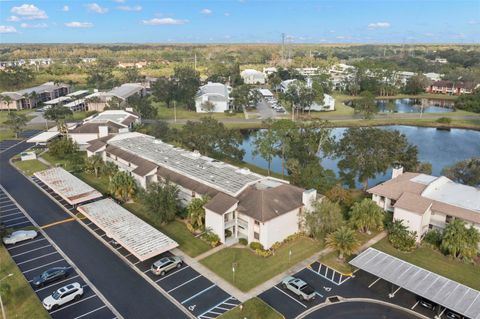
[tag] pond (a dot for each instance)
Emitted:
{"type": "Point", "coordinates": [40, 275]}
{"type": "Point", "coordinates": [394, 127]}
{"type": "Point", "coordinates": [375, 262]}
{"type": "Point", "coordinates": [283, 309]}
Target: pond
{"type": "Point", "coordinates": [440, 148]}
{"type": "Point", "coordinates": [416, 106]}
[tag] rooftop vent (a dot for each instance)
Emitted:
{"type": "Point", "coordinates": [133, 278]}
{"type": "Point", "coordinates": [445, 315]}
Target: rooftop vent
{"type": "Point", "coordinates": [244, 171]}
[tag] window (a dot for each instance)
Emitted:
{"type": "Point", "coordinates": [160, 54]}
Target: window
{"type": "Point", "coordinates": [257, 223]}
{"type": "Point", "coordinates": [256, 236]}
{"type": "Point", "coordinates": [392, 202]}
{"type": "Point", "coordinates": [448, 219]}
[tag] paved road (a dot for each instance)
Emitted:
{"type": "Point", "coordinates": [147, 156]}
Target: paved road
{"type": "Point", "coordinates": [359, 310]}
{"type": "Point", "coordinates": [129, 294]}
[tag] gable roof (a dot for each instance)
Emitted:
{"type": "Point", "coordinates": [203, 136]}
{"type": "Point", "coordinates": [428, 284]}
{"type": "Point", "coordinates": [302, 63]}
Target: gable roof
{"type": "Point", "coordinates": [98, 143]}
{"type": "Point", "coordinates": [89, 128]}
{"type": "Point", "coordinates": [394, 188]}
{"type": "Point", "coordinates": [413, 203]}
{"type": "Point", "coordinates": [221, 203]}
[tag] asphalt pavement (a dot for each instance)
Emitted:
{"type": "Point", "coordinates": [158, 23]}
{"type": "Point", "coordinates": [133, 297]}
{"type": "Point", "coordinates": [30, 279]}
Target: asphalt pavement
{"type": "Point", "coordinates": [359, 310]}
{"type": "Point", "coordinates": [125, 290]}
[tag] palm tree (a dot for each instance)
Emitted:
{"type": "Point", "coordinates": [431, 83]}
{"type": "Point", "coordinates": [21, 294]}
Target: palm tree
{"type": "Point", "coordinates": [196, 212]}
{"type": "Point", "coordinates": [343, 240]}
{"type": "Point", "coordinates": [94, 164]}
{"type": "Point", "coordinates": [8, 100]}
{"type": "Point", "coordinates": [122, 186]}
{"type": "Point", "coordinates": [366, 215]}
{"type": "Point", "coordinates": [109, 169]}
{"type": "Point", "coordinates": [460, 241]}
{"type": "Point", "coordinates": [16, 122]}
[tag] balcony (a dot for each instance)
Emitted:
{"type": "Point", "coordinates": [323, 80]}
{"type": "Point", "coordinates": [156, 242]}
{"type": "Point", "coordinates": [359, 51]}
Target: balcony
{"type": "Point", "coordinates": [242, 223]}
{"type": "Point", "coordinates": [229, 223]}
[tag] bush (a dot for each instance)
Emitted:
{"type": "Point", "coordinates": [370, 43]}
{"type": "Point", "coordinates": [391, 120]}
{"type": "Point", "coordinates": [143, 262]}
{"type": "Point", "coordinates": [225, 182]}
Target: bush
{"type": "Point", "coordinates": [190, 228]}
{"type": "Point", "coordinates": [444, 120]}
{"type": "Point", "coordinates": [263, 253]}
{"type": "Point", "coordinates": [256, 245]}
{"type": "Point", "coordinates": [211, 238]}
{"type": "Point", "coordinates": [243, 241]}
{"type": "Point", "coordinates": [433, 237]}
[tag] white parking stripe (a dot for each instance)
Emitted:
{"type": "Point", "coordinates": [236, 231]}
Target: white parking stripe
{"type": "Point", "coordinates": [9, 210]}
{"type": "Point", "coordinates": [8, 205]}
{"type": "Point", "coordinates": [186, 282]}
{"type": "Point", "coordinates": [198, 294]}
{"type": "Point", "coordinates": [216, 306]}
{"type": "Point", "coordinates": [86, 314]}
{"type": "Point", "coordinates": [12, 219]}
{"type": "Point", "coordinates": [13, 214]}
{"type": "Point", "coordinates": [146, 271]}
{"type": "Point", "coordinates": [29, 251]}
{"type": "Point", "coordinates": [16, 224]}
{"type": "Point", "coordinates": [57, 283]}
{"type": "Point", "coordinates": [26, 261]}
{"type": "Point", "coordinates": [373, 283]}
{"type": "Point", "coordinates": [30, 242]}
{"type": "Point", "coordinates": [415, 305]}
{"type": "Point", "coordinates": [128, 255]}
{"type": "Point", "coordinates": [73, 303]}
{"type": "Point", "coordinates": [53, 262]}
{"type": "Point", "coordinates": [283, 292]}
{"type": "Point", "coordinates": [173, 273]}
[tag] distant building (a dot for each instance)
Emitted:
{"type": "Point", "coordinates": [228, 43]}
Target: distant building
{"type": "Point", "coordinates": [308, 71]}
{"type": "Point", "coordinates": [137, 65]}
{"type": "Point", "coordinates": [88, 60]}
{"type": "Point", "coordinates": [340, 75]}
{"type": "Point", "coordinates": [328, 100]}
{"type": "Point", "coordinates": [433, 76]}
{"type": "Point", "coordinates": [403, 76]}
{"type": "Point", "coordinates": [242, 204]}
{"type": "Point", "coordinates": [251, 76]}
{"type": "Point", "coordinates": [440, 60]}
{"type": "Point", "coordinates": [31, 97]}
{"type": "Point", "coordinates": [269, 70]}
{"type": "Point", "coordinates": [451, 88]}
{"type": "Point", "coordinates": [215, 95]}
{"type": "Point", "coordinates": [99, 100]}
{"type": "Point", "coordinates": [424, 202]}
{"type": "Point", "coordinates": [40, 61]}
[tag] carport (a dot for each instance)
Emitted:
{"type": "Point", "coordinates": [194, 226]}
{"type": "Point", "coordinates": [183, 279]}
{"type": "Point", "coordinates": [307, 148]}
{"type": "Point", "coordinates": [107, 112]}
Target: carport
{"type": "Point", "coordinates": [446, 293]}
{"type": "Point", "coordinates": [43, 138]}
{"type": "Point", "coordinates": [73, 190]}
{"type": "Point", "coordinates": [139, 238]}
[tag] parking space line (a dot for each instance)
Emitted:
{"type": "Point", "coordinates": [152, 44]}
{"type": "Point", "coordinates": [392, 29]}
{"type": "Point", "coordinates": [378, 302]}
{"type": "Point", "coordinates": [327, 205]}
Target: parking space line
{"type": "Point", "coordinates": [373, 283]}
{"type": "Point", "coordinates": [3, 206]}
{"type": "Point", "coordinates": [16, 224]}
{"type": "Point", "coordinates": [147, 271]}
{"type": "Point", "coordinates": [29, 251]}
{"type": "Point", "coordinates": [86, 314]}
{"type": "Point", "coordinates": [393, 294]}
{"type": "Point", "coordinates": [10, 209]}
{"type": "Point", "coordinates": [16, 218]}
{"type": "Point", "coordinates": [53, 262]}
{"type": "Point", "coordinates": [186, 282]}
{"type": "Point", "coordinates": [57, 223]}
{"type": "Point", "coordinates": [69, 305]}
{"type": "Point", "coordinates": [137, 262]}
{"type": "Point", "coordinates": [415, 305]}
{"type": "Point", "coordinates": [30, 242]}
{"type": "Point", "coordinates": [216, 306]}
{"type": "Point", "coordinates": [66, 279]}
{"type": "Point", "coordinates": [283, 292]}
{"type": "Point", "coordinates": [128, 255]}
{"type": "Point", "coordinates": [173, 273]}
{"type": "Point", "coordinates": [24, 262]}
{"type": "Point", "coordinates": [19, 212]}
{"type": "Point", "coordinates": [198, 294]}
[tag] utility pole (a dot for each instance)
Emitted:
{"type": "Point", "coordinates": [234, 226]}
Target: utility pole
{"type": "Point", "coordinates": [195, 62]}
{"type": "Point", "coordinates": [283, 48]}
{"type": "Point", "coordinates": [175, 111]}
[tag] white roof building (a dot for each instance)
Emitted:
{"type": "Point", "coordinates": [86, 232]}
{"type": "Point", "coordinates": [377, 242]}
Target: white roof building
{"type": "Point", "coordinates": [251, 76]}
{"type": "Point", "coordinates": [213, 97]}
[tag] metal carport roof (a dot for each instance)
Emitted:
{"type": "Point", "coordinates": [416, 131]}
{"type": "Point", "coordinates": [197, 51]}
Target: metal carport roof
{"type": "Point", "coordinates": [139, 238]}
{"type": "Point", "coordinates": [444, 292]}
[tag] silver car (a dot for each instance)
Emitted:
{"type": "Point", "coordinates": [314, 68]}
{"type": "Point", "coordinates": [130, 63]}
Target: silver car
{"type": "Point", "coordinates": [162, 266]}
{"type": "Point", "coordinates": [18, 236]}
{"type": "Point", "coordinates": [299, 287]}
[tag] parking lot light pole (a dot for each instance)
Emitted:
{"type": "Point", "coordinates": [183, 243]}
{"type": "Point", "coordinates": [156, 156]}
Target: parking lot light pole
{"type": "Point", "coordinates": [233, 272]}
{"type": "Point", "coordinates": [1, 302]}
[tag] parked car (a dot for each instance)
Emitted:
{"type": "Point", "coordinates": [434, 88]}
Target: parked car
{"type": "Point", "coordinates": [18, 236]}
{"type": "Point", "coordinates": [66, 294]}
{"type": "Point", "coordinates": [162, 266]}
{"type": "Point", "coordinates": [426, 303]}
{"type": "Point", "coordinates": [453, 315]}
{"type": "Point", "coordinates": [299, 287]}
{"type": "Point", "coordinates": [50, 275]}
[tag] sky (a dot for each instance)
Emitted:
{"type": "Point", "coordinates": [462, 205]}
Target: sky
{"type": "Point", "coordinates": [240, 21]}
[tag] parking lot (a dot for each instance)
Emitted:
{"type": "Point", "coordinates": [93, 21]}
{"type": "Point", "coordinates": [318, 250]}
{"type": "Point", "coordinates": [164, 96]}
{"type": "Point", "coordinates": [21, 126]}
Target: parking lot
{"type": "Point", "coordinates": [195, 292]}
{"type": "Point", "coordinates": [329, 283]}
{"type": "Point", "coordinates": [6, 144]}
{"type": "Point", "coordinates": [36, 256]}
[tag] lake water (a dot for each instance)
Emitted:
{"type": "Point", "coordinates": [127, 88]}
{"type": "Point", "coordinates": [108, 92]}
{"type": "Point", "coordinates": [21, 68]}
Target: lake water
{"type": "Point", "coordinates": [417, 105]}
{"type": "Point", "coordinates": [440, 148]}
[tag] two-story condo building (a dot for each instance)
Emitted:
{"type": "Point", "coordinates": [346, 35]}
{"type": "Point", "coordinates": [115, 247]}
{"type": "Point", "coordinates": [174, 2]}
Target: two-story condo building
{"type": "Point", "coordinates": [242, 204]}
{"type": "Point", "coordinates": [31, 97]}
{"type": "Point", "coordinates": [426, 202]}
{"type": "Point", "coordinates": [213, 97]}
{"type": "Point", "coordinates": [99, 100]}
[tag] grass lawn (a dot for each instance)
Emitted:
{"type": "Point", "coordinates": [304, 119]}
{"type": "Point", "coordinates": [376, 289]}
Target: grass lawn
{"type": "Point", "coordinates": [165, 113]}
{"type": "Point", "coordinates": [21, 302]}
{"type": "Point", "coordinates": [251, 269]}
{"type": "Point", "coordinates": [55, 161]}
{"type": "Point", "coordinates": [78, 116]}
{"type": "Point", "coordinates": [253, 308]}
{"type": "Point", "coordinates": [31, 166]}
{"type": "Point", "coordinates": [176, 230]}
{"type": "Point", "coordinates": [100, 183]}
{"type": "Point", "coordinates": [430, 259]}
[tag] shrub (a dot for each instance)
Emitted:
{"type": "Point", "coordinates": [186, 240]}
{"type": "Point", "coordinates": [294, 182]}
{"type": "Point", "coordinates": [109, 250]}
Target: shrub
{"type": "Point", "coordinates": [263, 253]}
{"type": "Point", "coordinates": [400, 237]}
{"type": "Point", "coordinates": [243, 241]}
{"type": "Point", "coordinates": [256, 245]}
{"type": "Point", "coordinates": [211, 238]}
{"type": "Point", "coordinates": [433, 237]}
{"type": "Point", "coordinates": [444, 120]}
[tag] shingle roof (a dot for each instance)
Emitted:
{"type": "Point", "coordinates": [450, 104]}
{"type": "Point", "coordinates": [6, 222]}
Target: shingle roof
{"type": "Point", "coordinates": [221, 203]}
{"type": "Point", "coordinates": [394, 188]}
{"type": "Point", "coordinates": [264, 204]}
{"type": "Point", "coordinates": [413, 203]}
{"type": "Point", "coordinates": [97, 144]}
{"type": "Point", "coordinates": [89, 128]}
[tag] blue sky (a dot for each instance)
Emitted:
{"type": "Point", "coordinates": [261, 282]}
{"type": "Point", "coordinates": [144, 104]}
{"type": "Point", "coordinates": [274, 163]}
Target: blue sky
{"type": "Point", "coordinates": [245, 21]}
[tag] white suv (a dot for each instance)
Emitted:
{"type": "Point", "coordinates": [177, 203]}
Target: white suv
{"type": "Point", "coordinates": [63, 295]}
{"type": "Point", "coordinates": [18, 236]}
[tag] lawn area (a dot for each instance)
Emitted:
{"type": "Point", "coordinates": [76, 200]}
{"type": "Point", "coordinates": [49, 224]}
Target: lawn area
{"type": "Point", "coordinates": [54, 161]}
{"type": "Point", "coordinates": [251, 269]}
{"type": "Point", "coordinates": [31, 166]}
{"type": "Point", "coordinates": [78, 116]}
{"type": "Point", "coordinates": [176, 230]}
{"type": "Point", "coordinates": [100, 183]}
{"type": "Point", "coordinates": [165, 113]}
{"type": "Point", "coordinates": [253, 308]}
{"type": "Point", "coordinates": [430, 259]}
{"type": "Point", "coordinates": [21, 302]}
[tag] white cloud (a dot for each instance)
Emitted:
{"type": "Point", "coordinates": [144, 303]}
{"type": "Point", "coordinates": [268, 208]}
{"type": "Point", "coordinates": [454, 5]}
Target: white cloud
{"type": "Point", "coordinates": [379, 25]}
{"type": "Point", "coordinates": [119, 1]}
{"type": "Point", "coordinates": [164, 21]}
{"type": "Point", "coordinates": [93, 7]}
{"type": "Point", "coordinates": [7, 29]}
{"type": "Point", "coordinates": [66, 8]}
{"type": "Point", "coordinates": [34, 26]}
{"type": "Point", "coordinates": [227, 14]}
{"type": "Point", "coordinates": [13, 19]}
{"type": "Point", "coordinates": [130, 8]}
{"type": "Point", "coordinates": [473, 22]}
{"type": "Point", "coordinates": [29, 12]}
{"type": "Point", "coordinates": [206, 12]}
{"type": "Point", "coordinates": [76, 24]}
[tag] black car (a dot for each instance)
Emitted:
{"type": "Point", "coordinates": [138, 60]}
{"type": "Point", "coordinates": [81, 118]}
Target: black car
{"type": "Point", "coordinates": [452, 315]}
{"type": "Point", "coordinates": [50, 275]}
{"type": "Point", "coordinates": [426, 303]}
